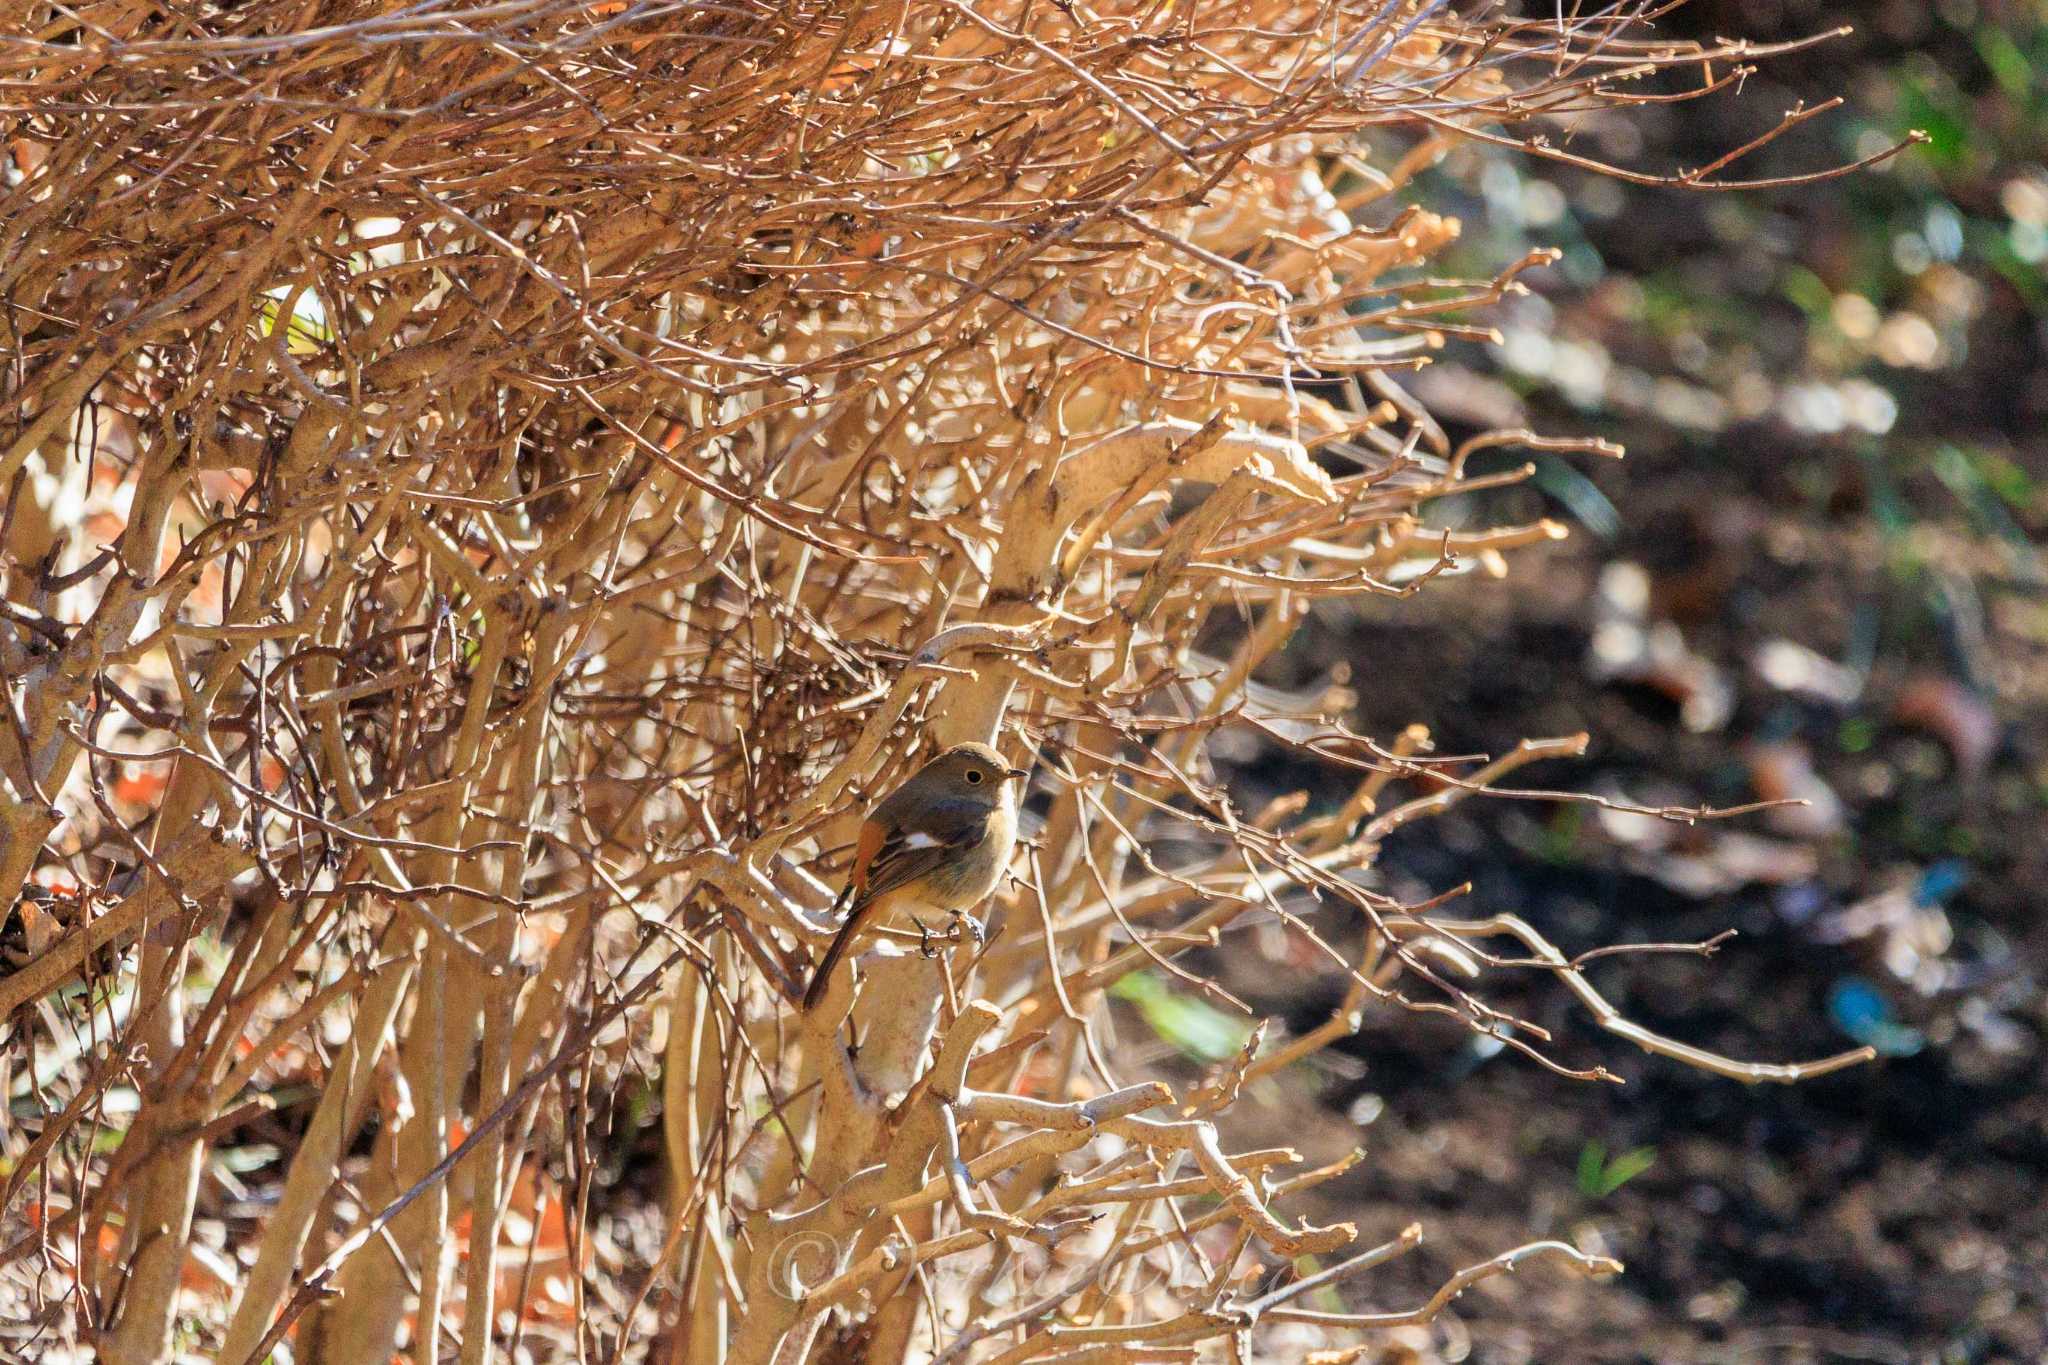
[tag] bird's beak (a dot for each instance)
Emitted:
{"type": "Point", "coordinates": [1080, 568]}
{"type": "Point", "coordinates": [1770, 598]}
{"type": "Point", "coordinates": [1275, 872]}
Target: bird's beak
{"type": "Point", "coordinates": [1020, 773]}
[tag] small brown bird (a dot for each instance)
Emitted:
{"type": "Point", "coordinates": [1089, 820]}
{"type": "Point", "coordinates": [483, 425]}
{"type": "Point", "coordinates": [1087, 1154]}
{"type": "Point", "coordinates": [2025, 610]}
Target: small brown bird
{"type": "Point", "coordinates": [937, 844]}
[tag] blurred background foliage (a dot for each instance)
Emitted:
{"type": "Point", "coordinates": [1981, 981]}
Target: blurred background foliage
{"type": "Point", "coordinates": [1817, 575]}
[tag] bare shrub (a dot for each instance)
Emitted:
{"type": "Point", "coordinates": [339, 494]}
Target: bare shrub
{"type": "Point", "coordinates": [493, 490]}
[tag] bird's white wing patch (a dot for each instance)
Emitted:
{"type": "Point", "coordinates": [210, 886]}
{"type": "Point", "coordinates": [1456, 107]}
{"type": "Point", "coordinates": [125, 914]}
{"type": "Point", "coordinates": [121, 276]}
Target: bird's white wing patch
{"type": "Point", "coordinates": [919, 839]}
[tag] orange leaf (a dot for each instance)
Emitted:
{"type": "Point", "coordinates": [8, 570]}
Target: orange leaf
{"type": "Point", "coordinates": [551, 1232]}
{"type": "Point", "coordinates": [141, 786]}
{"type": "Point", "coordinates": [208, 1273]}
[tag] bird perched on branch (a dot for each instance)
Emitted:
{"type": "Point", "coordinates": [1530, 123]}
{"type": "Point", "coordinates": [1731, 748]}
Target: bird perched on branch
{"type": "Point", "coordinates": [937, 844]}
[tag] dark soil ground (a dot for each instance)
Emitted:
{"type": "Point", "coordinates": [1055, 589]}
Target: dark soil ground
{"type": "Point", "coordinates": [1893, 1212]}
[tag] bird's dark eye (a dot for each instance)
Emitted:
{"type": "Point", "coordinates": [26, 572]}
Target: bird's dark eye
{"type": "Point", "coordinates": [974, 776]}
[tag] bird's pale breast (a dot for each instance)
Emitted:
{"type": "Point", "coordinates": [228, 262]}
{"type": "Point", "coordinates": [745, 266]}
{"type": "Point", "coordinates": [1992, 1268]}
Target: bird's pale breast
{"type": "Point", "coordinates": [963, 881]}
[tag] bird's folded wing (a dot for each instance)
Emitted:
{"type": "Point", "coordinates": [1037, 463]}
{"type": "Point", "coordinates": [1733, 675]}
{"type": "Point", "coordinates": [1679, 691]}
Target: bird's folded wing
{"type": "Point", "coordinates": [906, 856]}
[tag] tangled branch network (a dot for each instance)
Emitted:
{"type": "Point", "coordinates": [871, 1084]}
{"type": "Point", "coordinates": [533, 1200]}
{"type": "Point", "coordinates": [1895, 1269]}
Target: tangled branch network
{"type": "Point", "coordinates": [492, 491]}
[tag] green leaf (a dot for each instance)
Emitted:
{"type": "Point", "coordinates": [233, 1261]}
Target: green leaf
{"type": "Point", "coordinates": [1598, 1177]}
{"type": "Point", "coordinates": [1194, 1026]}
{"type": "Point", "coordinates": [1809, 293]}
{"type": "Point", "coordinates": [1627, 1167]}
{"type": "Point", "coordinates": [2009, 66]}
{"type": "Point", "coordinates": [1592, 1159]}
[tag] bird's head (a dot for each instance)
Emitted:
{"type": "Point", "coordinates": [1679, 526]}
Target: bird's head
{"type": "Point", "coordinates": [976, 768]}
